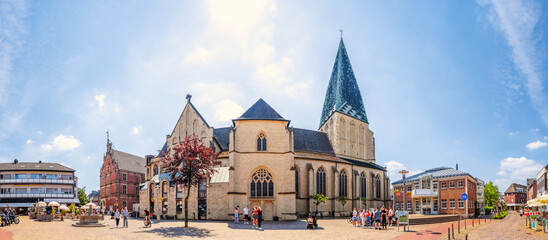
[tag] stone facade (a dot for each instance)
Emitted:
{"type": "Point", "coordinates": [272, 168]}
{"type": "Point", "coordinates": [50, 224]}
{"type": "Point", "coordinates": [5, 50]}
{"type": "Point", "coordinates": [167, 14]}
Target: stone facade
{"type": "Point", "coordinates": [268, 163]}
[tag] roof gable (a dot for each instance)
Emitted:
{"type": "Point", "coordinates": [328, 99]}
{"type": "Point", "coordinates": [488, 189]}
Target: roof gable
{"type": "Point", "coordinates": [261, 111]}
{"type": "Point", "coordinates": [343, 94]}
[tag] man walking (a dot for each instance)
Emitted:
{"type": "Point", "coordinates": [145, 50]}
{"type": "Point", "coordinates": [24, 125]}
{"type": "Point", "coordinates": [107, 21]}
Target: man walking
{"type": "Point", "coordinates": [246, 215]}
{"type": "Point", "coordinates": [126, 215]}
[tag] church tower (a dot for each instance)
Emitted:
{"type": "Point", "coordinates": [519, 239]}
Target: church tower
{"type": "Point", "coordinates": [343, 116]}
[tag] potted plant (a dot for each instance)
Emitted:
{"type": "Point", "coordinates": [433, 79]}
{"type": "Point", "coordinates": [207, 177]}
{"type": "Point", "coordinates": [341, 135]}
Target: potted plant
{"type": "Point", "coordinates": [397, 192]}
{"type": "Point", "coordinates": [409, 194]}
{"type": "Point", "coordinates": [162, 199]}
{"type": "Point", "coordinates": [152, 199]}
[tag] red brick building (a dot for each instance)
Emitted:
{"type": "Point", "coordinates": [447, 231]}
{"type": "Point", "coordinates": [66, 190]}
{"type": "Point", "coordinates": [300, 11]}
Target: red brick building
{"type": "Point", "coordinates": [120, 175]}
{"type": "Point", "coordinates": [515, 196]}
{"type": "Point", "coordinates": [436, 191]}
{"type": "Point", "coordinates": [531, 188]}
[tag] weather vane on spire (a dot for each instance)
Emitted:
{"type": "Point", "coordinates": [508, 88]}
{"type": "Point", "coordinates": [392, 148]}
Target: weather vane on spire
{"type": "Point", "coordinates": [341, 32]}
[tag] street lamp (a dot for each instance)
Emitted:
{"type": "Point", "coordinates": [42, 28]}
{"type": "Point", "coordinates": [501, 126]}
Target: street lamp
{"type": "Point", "coordinates": [403, 172]}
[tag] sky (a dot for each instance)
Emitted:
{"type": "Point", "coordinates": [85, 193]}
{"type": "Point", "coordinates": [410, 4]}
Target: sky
{"type": "Point", "coordinates": [443, 82]}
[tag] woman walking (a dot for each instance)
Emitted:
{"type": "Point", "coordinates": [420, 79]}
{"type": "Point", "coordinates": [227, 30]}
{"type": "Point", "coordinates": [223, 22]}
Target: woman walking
{"type": "Point", "coordinates": [390, 216]}
{"type": "Point", "coordinates": [362, 216]}
{"type": "Point", "coordinates": [368, 218]}
{"type": "Point", "coordinates": [384, 217]}
{"type": "Point", "coordinates": [255, 214]}
{"type": "Point", "coordinates": [236, 220]}
{"type": "Point", "coordinates": [260, 217]}
{"type": "Point", "coordinates": [117, 216]}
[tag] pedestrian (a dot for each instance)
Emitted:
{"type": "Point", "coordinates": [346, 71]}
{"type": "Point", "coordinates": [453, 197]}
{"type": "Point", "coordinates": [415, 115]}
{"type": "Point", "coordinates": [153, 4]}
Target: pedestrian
{"type": "Point", "coordinates": [125, 214]}
{"type": "Point", "coordinates": [368, 218]}
{"type": "Point", "coordinates": [354, 217]}
{"type": "Point", "coordinates": [255, 214]}
{"type": "Point", "coordinates": [377, 217]}
{"type": "Point", "coordinates": [246, 215]}
{"type": "Point", "coordinates": [117, 216]}
{"type": "Point", "coordinates": [396, 216]}
{"type": "Point", "coordinates": [384, 217]}
{"type": "Point", "coordinates": [390, 216]}
{"type": "Point", "coordinates": [236, 220]}
{"type": "Point", "coordinates": [362, 216]}
{"type": "Point", "coordinates": [520, 213]}
{"type": "Point", "coordinates": [260, 217]}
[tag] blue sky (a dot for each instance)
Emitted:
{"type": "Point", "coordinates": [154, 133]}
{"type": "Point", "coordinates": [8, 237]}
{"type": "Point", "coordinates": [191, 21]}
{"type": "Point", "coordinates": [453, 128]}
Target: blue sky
{"type": "Point", "coordinates": [443, 82]}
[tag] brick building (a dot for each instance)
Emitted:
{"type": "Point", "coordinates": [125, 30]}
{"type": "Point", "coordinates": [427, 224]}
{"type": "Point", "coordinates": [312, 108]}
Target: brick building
{"type": "Point", "coordinates": [436, 191]}
{"type": "Point", "coordinates": [120, 175]}
{"type": "Point", "coordinates": [531, 188]}
{"type": "Point", "coordinates": [515, 196]}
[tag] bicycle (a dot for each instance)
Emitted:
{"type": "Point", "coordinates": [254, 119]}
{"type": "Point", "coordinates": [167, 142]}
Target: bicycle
{"type": "Point", "coordinates": [147, 222]}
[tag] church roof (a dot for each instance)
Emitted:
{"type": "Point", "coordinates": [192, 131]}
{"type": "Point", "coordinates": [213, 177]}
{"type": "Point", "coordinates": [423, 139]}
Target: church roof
{"type": "Point", "coordinates": [222, 136]}
{"type": "Point", "coordinates": [164, 150]}
{"type": "Point", "coordinates": [343, 94]}
{"type": "Point", "coordinates": [311, 141]}
{"type": "Point", "coordinates": [129, 162]}
{"type": "Point", "coordinates": [261, 111]}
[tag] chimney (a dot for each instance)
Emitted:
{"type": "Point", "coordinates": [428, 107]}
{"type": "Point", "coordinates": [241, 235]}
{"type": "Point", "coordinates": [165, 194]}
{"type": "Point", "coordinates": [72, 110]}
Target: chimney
{"type": "Point", "coordinates": [457, 168]}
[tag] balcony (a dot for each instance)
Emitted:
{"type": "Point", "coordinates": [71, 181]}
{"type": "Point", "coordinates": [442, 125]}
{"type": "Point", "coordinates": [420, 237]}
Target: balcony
{"type": "Point", "coordinates": [36, 195]}
{"type": "Point", "coordinates": [424, 193]}
{"type": "Point", "coordinates": [31, 180]}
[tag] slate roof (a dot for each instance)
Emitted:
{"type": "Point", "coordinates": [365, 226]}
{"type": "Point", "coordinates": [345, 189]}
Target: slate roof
{"type": "Point", "coordinates": [364, 164]}
{"type": "Point", "coordinates": [343, 94]}
{"type": "Point", "coordinates": [164, 149]}
{"type": "Point", "coordinates": [129, 162]}
{"type": "Point", "coordinates": [26, 166]}
{"type": "Point", "coordinates": [261, 111]}
{"type": "Point", "coordinates": [311, 141]}
{"type": "Point", "coordinates": [440, 172]}
{"type": "Point", "coordinates": [514, 187]}
{"type": "Point", "coordinates": [222, 136]}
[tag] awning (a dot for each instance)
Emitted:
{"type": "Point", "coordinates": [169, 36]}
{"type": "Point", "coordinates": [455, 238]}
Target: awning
{"type": "Point", "coordinates": [15, 205]}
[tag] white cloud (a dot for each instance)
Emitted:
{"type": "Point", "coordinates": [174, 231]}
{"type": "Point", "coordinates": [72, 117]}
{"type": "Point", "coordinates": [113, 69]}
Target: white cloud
{"type": "Point", "coordinates": [393, 168]}
{"type": "Point", "coordinates": [519, 169]}
{"type": "Point", "coordinates": [228, 110]}
{"type": "Point", "coordinates": [536, 145]}
{"type": "Point", "coordinates": [545, 137]}
{"type": "Point", "coordinates": [62, 143]}
{"type": "Point", "coordinates": [100, 100]}
{"type": "Point", "coordinates": [200, 55]}
{"type": "Point", "coordinates": [12, 14]}
{"type": "Point", "coordinates": [137, 130]}
{"type": "Point", "coordinates": [29, 141]}
{"type": "Point", "coordinates": [517, 20]}
{"type": "Point", "coordinates": [511, 134]}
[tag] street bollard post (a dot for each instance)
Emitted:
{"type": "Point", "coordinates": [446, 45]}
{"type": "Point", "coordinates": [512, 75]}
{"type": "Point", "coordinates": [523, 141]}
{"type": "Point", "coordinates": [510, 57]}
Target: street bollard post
{"type": "Point", "coordinates": [449, 233]}
{"type": "Point", "coordinates": [472, 221]}
{"type": "Point", "coordinates": [465, 223]}
{"type": "Point", "coordinates": [452, 231]}
{"type": "Point", "coordinates": [458, 228]}
{"type": "Point", "coordinates": [466, 237]}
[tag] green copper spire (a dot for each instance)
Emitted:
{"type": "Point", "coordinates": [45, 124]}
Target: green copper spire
{"type": "Point", "coordinates": [343, 94]}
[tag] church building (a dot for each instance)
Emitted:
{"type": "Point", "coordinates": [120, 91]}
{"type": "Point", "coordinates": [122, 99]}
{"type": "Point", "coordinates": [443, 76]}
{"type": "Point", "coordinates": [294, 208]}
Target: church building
{"type": "Point", "coordinates": [264, 161]}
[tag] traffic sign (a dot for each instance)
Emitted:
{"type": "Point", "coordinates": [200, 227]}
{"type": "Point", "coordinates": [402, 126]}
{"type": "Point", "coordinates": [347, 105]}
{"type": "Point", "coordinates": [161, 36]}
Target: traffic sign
{"type": "Point", "coordinates": [464, 196]}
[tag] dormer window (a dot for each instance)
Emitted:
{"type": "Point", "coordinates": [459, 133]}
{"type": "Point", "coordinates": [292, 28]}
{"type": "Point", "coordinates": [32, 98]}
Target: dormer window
{"type": "Point", "coordinates": [261, 142]}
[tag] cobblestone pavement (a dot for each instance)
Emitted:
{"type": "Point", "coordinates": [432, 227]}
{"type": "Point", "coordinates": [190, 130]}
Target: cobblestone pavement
{"type": "Point", "coordinates": [511, 227]}
{"type": "Point", "coordinates": [329, 229]}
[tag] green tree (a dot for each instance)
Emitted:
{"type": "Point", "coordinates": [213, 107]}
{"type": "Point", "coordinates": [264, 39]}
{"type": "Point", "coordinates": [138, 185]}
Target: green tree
{"type": "Point", "coordinates": [491, 192]}
{"type": "Point", "coordinates": [364, 202]}
{"type": "Point", "coordinates": [319, 199]}
{"type": "Point", "coordinates": [82, 196]}
{"type": "Point", "coordinates": [342, 200]}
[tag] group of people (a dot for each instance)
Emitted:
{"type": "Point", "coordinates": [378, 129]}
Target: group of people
{"type": "Point", "coordinates": [380, 218]}
{"type": "Point", "coordinates": [8, 216]}
{"type": "Point", "coordinates": [124, 215]}
{"type": "Point", "coordinates": [256, 216]}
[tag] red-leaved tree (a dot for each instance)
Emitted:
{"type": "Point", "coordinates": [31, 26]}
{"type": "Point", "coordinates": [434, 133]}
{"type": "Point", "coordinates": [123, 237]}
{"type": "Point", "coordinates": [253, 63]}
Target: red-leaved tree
{"type": "Point", "coordinates": [191, 163]}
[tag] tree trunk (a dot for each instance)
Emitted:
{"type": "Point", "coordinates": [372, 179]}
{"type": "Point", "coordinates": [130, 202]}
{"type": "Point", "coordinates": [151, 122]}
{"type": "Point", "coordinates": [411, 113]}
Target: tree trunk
{"type": "Point", "coordinates": [186, 205]}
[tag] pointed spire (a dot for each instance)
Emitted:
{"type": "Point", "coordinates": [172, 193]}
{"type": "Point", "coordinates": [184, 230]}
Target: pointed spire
{"type": "Point", "coordinates": [343, 94]}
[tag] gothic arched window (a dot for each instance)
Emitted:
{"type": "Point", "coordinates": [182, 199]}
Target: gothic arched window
{"type": "Point", "coordinates": [195, 126]}
{"type": "Point", "coordinates": [155, 170]}
{"type": "Point", "coordinates": [363, 185]}
{"type": "Point", "coordinates": [377, 186]}
{"type": "Point", "coordinates": [262, 184]}
{"type": "Point", "coordinates": [261, 142]}
{"type": "Point", "coordinates": [296, 182]}
{"type": "Point", "coordinates": [320, 181]}
{"type": "Point", "coordinates": [343, 184]}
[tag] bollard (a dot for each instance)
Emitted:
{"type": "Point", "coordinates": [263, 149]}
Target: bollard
{"type": "Point", "coordinates": [479, 221]}
{"type": "Point", "coordinates": [452, 231]}
{"type": "Point", "coordinates": [465, 223]}
{"type": "Point", "coordinates": [472, 221]}
{"type": "Point", "coordinates": [458, 228]}
{"type": "Point", "coordinates": [448, 233]}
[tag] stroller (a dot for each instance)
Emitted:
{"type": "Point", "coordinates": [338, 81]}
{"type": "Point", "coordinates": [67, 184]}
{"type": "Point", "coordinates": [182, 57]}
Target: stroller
{"type": "Point", "coordinates": [312, 222]}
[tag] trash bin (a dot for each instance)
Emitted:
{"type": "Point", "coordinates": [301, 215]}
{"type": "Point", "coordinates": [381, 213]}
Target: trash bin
{"type": "Point", "coordinates": [275, 218]}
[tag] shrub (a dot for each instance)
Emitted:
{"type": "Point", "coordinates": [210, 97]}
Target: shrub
{"type": "Point", "coordinates": [501, 215]}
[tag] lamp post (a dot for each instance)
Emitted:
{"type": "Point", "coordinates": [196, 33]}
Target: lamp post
{"type": "Point", "coordinates": [403, 172]}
